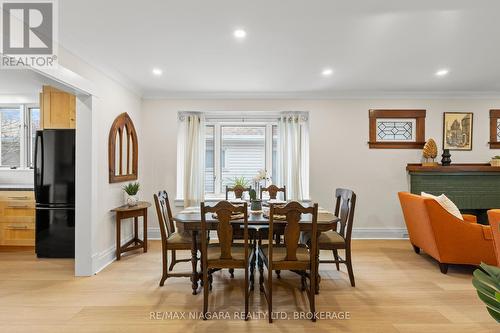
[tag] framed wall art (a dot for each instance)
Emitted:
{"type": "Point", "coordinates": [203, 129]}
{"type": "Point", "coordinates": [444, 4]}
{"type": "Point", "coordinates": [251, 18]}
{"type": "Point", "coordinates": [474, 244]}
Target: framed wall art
{"type": "Point", "coordinates": [457, 130]}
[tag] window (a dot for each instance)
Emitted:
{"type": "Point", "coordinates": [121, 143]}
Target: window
{"type": "Point", "coordinates": [238, 149]}
{"type": "Point", "coordinates": [397, 129]}
{"type": "Point", "coordinates": [18, 126]}
{"type": "Point", "coordinates": [494, 129]}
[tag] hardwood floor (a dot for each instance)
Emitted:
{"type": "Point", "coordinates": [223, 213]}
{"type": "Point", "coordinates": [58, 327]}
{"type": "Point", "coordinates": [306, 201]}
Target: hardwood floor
{"type": "Point", "coordinates": [396, 291]}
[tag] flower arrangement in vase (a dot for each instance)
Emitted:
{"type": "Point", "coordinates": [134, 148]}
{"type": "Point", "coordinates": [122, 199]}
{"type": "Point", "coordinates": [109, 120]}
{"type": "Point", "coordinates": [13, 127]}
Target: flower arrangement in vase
{"type": "Point", "coordinates": [131, 190]}
{"type": "Point", "coordinates": [259, 179]}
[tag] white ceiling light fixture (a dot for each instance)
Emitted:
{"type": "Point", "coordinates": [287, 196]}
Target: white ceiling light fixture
{"type": "Point", "coordinates": [442, 72]}
{"type": "Point", "coordinates": [157, 71]}
{"type": "Point", "coordinates": [239, 34]}
{"type": "Point", "coordinates": [327, 72]}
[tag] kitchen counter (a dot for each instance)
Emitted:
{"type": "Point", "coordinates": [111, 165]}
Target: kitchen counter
{"type": "Point", "coordinates": [16, 187]}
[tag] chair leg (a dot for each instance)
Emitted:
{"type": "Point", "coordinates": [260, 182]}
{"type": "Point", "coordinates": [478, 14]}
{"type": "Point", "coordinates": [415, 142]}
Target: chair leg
{"type": "Point", "coordinates": [252, 272]}
{"type": "Point", "coordinates": [270, 297]}
{"type": "Point", "coordinates": [312, 295]}
{"type": "Point", "coordinates": [205, 293]}
{"type": "Point", "coordinates": [416, 249]}
{"type": "Point", "coordinates": [336, 256]}
{"type": "Point", "coordinates": [173, 261]}
{"type": "Point", "coordinates": [231, 271]}
{"type": "Point", "coordinates": [349, 266]}
{"type": "Point", "coordinates": [210, 280]}
{"type": "Point", "coordinates": [443, 268]}
{"type": "Point", "coordinates": [303, 281]}
{"type": "Point", "coordinates": [261, 275]}
{"type": "Point", "coordinates": [247, 293]}
{"type": "Point", "coordinates": [164, 267]}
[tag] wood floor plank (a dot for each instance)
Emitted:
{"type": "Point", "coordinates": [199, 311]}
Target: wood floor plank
{"type": "Point", "coordinates": [396, 291]}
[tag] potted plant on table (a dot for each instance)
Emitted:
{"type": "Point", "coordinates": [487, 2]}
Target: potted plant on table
{"type": "Point", "coordinates": [255, 204]}
{"type": "Point", "coordinates": [131, 190]}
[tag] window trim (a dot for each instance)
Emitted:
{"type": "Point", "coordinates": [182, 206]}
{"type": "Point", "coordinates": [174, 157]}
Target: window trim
{"type": "Point", "coordinates": [494, 116]}
{"type": "Point", "coordinates": [25, 132]}
{"type": "Point", "coordinates": [418, 115]}
{"type": "Point", "coordinates": [218, 123]}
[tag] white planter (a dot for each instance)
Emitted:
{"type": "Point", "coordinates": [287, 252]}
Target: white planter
{"type": "Point", "coordinates": [131, 200]}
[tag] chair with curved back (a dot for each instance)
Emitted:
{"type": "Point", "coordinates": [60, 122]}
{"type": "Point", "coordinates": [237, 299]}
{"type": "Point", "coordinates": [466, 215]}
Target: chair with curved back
{"type": "Point", "coordinates": [170, 239]}
{"type": "Point", "coordinates": [291, 255]}
{"type": "Point", "coordinates": [238, 191]}
{"type": "Point", "coordinates": [225, 254]}
{"type": "Point", "coordinates": [444, 236]}
{"type": "Point", "coordinates": [494, 220]}
{"type": "Point", "coordinates": [273, 191]}
{"type": "Point", "coordinates": [341, 240]}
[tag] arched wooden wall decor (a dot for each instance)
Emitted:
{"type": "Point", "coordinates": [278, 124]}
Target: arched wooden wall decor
{"type": "Point", "coordinates": [123, 150]}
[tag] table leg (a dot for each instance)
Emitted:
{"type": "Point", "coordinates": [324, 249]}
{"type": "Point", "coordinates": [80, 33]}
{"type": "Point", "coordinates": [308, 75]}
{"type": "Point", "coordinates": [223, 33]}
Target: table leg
{"type": "Point", "coordinates": [136, 229]}
{"type": "Point", "coordinates": [145, 230]}
{"type": "Point", "coordinates": [318, 277]}
{"type": "Point", "coordinates": [118, 237]}
{"type": "Point", "coordinates": [194, 261]}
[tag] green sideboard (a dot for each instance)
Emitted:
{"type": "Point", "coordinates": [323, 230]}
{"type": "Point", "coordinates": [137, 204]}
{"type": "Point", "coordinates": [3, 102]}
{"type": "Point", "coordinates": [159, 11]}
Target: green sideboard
{"type": "Point", "coordinates": [469, 186]}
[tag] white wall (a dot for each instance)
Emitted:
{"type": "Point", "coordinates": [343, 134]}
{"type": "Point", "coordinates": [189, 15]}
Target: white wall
{"type": "Point", "coordinates": [111, 99]}
{"type": "Point", "coordinates": [339, 154]}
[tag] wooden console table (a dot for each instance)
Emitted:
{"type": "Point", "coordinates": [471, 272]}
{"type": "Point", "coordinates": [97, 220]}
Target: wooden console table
{"type": "Point", "coordinates": [126, 212]}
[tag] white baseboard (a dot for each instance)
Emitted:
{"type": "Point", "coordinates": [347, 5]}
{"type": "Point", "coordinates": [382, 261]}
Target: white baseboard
{"type": "Point", "coordinates": [357, 233]}
{"type": "Point", "coordinates": [379, 233]}
{"type": "Point", "coordinates": [104, 258]}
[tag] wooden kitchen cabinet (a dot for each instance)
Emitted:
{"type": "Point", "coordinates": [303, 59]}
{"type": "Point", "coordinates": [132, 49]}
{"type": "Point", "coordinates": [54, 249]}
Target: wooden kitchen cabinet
{"type": "Point", "coordinates": [17, 218]}
{"type": "Point", "coordinates": [58, 109]}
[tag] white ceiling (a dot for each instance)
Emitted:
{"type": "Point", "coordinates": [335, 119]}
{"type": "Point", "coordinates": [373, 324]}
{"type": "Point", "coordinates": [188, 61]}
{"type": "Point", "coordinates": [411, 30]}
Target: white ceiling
{"type": "Point", "coordinates": [374, 47]}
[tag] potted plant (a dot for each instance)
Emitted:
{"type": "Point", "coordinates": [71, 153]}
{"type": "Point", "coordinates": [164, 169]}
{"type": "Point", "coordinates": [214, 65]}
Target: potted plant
{"type": "Point", "coordinates": [131, 190]}
{"type": "Point", "coordinates": [255, 204]}
{"type": "Point", "coordinates": [239, 184]}
{"type": "Point", "coordinates": [495, 161]}
{"type": "Point", "coordinates": [486, 280]}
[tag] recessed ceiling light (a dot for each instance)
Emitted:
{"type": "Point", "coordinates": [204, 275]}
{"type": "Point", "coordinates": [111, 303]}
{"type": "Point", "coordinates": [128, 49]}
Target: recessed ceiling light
{"type": "Point", "coordinates": [157, 71]}
{"type": "Point", "coordinates": [239, 33]}
{"type": "Point", "coordinates": [327, 72]}
{"type": "Point", "coordinates": [442, 72]}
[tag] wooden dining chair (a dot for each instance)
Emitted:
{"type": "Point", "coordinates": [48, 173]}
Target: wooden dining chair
{"type": "Point", "coordinates": [291, 255]}
{"type": "Point", "coordinates": [170, 239]}
{"type": "Point", "coordinates": [273, 191]}
{"type": "Point", "coordinates": [238, 191]}
{"type": "Point", "coordinates": [225, 254]}
{"type": "Point", "coordinates": [341, 240]}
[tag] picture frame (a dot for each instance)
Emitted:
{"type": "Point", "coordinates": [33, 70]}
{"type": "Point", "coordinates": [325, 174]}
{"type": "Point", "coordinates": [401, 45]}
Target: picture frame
{"type": "Point", "coordinates": [458, 130]}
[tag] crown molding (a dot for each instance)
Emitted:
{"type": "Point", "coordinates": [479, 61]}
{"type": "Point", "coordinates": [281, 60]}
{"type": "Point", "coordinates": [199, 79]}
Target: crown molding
{"type": "Point", "coordinates": [325, 95]}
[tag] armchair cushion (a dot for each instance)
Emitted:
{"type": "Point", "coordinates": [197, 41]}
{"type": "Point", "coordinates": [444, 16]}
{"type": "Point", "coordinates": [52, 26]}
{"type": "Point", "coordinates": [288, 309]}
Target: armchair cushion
{"type": "Point", "coordinates": [469, 218]}
{"type": "Point", "coordinates": [446, 203]}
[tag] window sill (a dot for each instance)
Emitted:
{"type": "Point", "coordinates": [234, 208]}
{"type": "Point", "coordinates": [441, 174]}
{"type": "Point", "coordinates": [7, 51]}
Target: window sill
{"type": "Point", "coordinates": [4, 169]}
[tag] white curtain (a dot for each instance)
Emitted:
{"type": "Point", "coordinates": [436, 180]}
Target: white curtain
{"type": "Point", "coordinates": [293, 167]}
{"type": "Point", "coordinates": [191, 157]}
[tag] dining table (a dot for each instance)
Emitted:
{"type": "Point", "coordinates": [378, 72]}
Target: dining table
{"type": "Point", "coordinates": [189, 221]}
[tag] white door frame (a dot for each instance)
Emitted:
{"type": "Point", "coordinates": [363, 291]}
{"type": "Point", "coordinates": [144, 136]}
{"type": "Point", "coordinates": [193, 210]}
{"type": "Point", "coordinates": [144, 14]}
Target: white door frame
{"type": "Point", "coordinates": [85, 173]}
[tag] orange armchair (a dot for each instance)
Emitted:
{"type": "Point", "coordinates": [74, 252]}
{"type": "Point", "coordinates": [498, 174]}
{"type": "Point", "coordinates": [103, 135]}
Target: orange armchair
{"type": "Point", "coordinates": [494, 219]}
{"type": "Point", "coordinates": [443, 236]}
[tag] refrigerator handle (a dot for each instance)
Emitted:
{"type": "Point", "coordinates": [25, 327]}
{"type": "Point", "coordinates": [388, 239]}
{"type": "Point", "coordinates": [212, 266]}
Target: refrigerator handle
{"type": "Point", "coordinates": [38, 165]}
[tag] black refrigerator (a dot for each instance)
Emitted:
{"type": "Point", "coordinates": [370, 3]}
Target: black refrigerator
{"type": "Point", "coordinates": [55, 193]}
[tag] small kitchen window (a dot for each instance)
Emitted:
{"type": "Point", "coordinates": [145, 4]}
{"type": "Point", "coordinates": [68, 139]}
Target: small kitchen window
{"type": "Point", "coordinates": [18, 126]}
{"type": "Point", "coordinates": [494, 129]}
{"type": "Point", "coordinates": [397, 129]}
